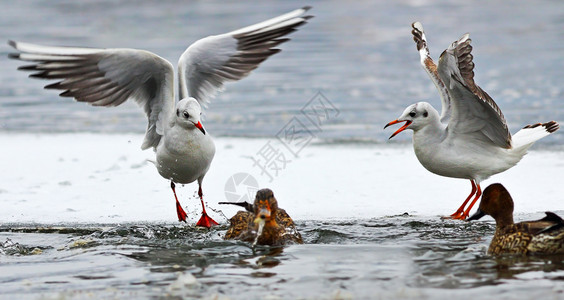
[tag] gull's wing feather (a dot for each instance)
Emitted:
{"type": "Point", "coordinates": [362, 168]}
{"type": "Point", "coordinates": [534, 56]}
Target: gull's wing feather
{"type": "Point", "coordinates": [106, 77]}
{"type": "Point", "coordinates": [473, 110]}
{"type": "Point", "coordinates": [208, 63]}
{"type": "Point", "coordinates": [429, 66]}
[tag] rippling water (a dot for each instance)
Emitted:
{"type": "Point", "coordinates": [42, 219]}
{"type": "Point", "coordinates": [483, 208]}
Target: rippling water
{"type": "Point", "coordinates": [392, 257]}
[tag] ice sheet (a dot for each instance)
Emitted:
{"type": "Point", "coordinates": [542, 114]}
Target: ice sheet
{"type": "Point", "coordinates": [102, 178]}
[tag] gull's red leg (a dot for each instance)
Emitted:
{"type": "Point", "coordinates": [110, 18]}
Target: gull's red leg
{"type": "Point", "coordinates": [179, 211]}
{"type": "Point", "coordinates": [460, 211]}
{"type": "Point", "coordinates": [205, 220]}
{"type": "Point", "coordinates": [467, 212]}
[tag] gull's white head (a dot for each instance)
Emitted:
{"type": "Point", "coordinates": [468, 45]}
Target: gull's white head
{"type": "Point", "coordinates": [188, 112]}
{"type": "Point", "coordinates": [416, 116]}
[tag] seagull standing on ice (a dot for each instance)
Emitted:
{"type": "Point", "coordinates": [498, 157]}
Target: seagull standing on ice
{"type": "Point", "coordinates": [109, 77]}
{"type": "Point", "coordinates": [470, 138]}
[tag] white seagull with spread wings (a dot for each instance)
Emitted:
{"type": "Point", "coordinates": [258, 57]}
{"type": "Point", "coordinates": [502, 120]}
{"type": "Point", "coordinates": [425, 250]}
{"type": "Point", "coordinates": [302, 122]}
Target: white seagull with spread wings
{"type": "Point", "coordinates": [109, 77]}
{"type": "Point", "coordinates": [470, 138]}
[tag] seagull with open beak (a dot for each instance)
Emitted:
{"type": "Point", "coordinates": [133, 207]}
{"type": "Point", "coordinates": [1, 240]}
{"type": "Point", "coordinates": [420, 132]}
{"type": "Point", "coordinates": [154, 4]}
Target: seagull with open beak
{"type": "Point", "coordinates": [470, 139]}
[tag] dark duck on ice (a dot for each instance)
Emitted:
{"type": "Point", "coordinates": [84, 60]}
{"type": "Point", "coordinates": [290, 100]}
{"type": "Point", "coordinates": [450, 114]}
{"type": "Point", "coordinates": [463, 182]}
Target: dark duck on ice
{"type": "Point", "coordinates": [544, 236]}
{"type": "Point", "coordinates": [263, 223]}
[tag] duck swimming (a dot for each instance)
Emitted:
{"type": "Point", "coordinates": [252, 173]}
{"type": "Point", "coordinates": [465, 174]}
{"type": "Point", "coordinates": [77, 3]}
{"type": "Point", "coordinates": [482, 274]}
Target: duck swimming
{"type": "Point", "coordinates": [278, 227]}
{"type": "Point", "coordinates": [545, 236]}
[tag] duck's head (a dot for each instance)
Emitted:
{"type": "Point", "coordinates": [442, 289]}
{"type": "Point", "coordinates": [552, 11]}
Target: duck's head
{"type": "Point", "coordinates": [496, 202]}
{"type": "Point", "coordinates": [188, 113]}
{"type": "Point", "coordinates": [415, 116]}
{"type": "Point", "coordinates": [265, 206]}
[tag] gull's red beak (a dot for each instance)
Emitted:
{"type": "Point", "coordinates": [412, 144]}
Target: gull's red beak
{"type": "Point", "coordinates": [199, 126]}
{"type": "Point", "coordinates": [407, 123]}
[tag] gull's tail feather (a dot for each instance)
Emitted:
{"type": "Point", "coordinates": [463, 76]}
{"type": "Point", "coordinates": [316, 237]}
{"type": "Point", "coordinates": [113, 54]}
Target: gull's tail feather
{"type": "Point", "coordinates": [525, 137]}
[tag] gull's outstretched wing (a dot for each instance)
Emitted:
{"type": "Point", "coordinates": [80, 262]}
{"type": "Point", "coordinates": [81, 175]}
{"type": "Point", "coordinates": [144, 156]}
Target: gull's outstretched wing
{"type": "Point", "coordinates": [208, 63]}
{"type": "Point", "coordinates": [473, 109]}
{"type": "Point", "coordinates": [429, 66]}
{"type": "Point", "coordinates": [106, 77]}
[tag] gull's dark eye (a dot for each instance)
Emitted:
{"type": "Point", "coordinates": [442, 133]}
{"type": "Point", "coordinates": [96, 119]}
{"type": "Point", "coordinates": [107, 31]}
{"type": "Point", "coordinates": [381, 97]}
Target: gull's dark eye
{"type": "Point", "coordinates": [186, 114]}
{"type": "Point", "coordinates": [412, 114]}
{"type": "Point", "coordinates": [425, 114]}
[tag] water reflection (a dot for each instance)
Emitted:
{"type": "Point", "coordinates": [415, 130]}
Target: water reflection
{"type": "Point", "coordinates": [511, 267]}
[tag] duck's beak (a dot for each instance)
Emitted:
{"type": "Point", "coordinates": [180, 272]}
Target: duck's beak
{"type": "Point", "coordinates": [476, 216]}
{"type": "Point", "coordinates": [407, 123]}
{"type": "Point", "coordinates": [262, 215]}
{"type": "Point", "coordinates": [199, 126]}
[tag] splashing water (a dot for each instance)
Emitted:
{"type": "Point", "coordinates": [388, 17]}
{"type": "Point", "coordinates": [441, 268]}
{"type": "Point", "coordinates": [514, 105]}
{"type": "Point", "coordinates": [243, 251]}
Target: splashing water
{"type": "Point", "coordinates": [261, 223]}
{"type": "Point", "coordinates": [411, 257]}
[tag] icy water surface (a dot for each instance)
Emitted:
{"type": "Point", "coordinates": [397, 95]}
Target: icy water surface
{"type": "Point", "coordinates": [402, 257]}
{"type": "Point", "coordinates": [360, 55]}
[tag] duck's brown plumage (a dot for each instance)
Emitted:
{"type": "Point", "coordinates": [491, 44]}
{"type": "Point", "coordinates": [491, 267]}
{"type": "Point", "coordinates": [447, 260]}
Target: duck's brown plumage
{"type": "Point", "coordinates": [544, 236]}
{"type": "Point", "coordinates": [279, 228]}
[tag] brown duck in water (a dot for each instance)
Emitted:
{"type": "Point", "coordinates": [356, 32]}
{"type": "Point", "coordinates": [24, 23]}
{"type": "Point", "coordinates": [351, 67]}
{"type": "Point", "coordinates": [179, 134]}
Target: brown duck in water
{"type": "Point", "coordinates": [545, 236]}
{"type": "Point", "coordinates": [279, 228]}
